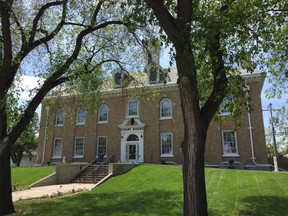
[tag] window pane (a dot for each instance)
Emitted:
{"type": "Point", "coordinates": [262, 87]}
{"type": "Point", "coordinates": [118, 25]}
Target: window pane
{"type": "Point", "coordinates": [166, 108]}
{"type": "Point", "coordinates": [224, 106]}
{"type": "Point", "coordinates": [103, 113]}
{"type": "Point", "coordinates": [79, 147]}
{"type": "Point", "coordinates": [117, 79]}
{"type": "Point", "coordinates": [57, 149]}
{"type": "Point", "coordinates": [102, 145]}
{"type": "Point", "coordinates": [166, 143]}
{"type": "Point", "coordinates": [229, 142]}
{"type": "Point", "coordinates": [81, 115]}
{"type": "Point", "coordinates": [133, 108]}
{"type": "Point", "coordinates": [60, 117]}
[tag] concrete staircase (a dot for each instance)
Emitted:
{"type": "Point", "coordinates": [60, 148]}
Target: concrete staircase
{"type": "Point", "coordinates": [95, 172]}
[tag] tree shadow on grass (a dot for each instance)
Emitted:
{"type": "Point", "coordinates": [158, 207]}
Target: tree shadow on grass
{"type": "Point", "coordinates": [254, 206]}
{"type": "Point", "coordinates": [156, 202]}
{"type": "Point", "coordinates": [264, 205]}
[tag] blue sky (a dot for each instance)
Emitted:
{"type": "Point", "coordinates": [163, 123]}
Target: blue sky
{"type": "Point", "coordinates": [30, 82]}
{"type": "Point", "coordinates": [276, 103]}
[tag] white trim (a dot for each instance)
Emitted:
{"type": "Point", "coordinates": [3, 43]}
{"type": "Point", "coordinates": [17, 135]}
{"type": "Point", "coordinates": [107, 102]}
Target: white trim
{"type": "Point", "coordinates": [97, 145]}
{"type": "Point", "coordinates": [77, 115]}
{"type": "Point", "coordinates": [236, 154]}
{"type": "Point", "coordinates": [137, 104]}
{"type": "Point", "coordinates": [166, 155]}
{"type": "Point", "coordinates": [74, 149]}
{"type": "Point", "coordinates": [231, 155]}
{"type": "Point", "coordinates": [107, 111]}
{"type": "Point", "coordinates": [53, 150]}
{"type": "Point", "coordinates": [226, 99]}
{"type": "Point", "coordinates": [59, 125]}
{"type": "Point", "coordinates": [171, 109]}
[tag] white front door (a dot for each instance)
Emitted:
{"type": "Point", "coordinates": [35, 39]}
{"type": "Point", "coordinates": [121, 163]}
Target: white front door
{"type": "Point", "coordinates": [132, 152]}
{"type": "Point", "coordinates": [132, 148]}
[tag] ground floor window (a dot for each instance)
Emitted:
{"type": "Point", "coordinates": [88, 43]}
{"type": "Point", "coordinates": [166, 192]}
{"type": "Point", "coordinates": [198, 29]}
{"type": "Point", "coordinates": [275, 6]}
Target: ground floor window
{"type": "Point", "coordinates": [229, 140]}
{"type": "Point", "coordinates": [166, 145]}
{"type": "Point", "coordinates": [101, 145]}
{"type": "Point", "coordinates": [57, 148]}
{"type": "Point", "coordinates": [79, 147]}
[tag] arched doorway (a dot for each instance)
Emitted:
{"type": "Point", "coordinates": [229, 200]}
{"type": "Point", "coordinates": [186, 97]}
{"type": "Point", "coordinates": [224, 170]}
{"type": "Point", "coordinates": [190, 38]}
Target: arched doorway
{"type": "Point", "coordinates": [132, 141]}
{"type": "Point", "coordinates": [132, 148]}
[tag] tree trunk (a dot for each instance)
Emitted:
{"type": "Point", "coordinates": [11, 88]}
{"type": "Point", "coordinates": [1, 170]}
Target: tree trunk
{"type": "Point", "coordinates": [195, 202]}
{"type": "Point", "coordinates": [193, 147]}
{"type": "Point", "coordinates": [6, 204]}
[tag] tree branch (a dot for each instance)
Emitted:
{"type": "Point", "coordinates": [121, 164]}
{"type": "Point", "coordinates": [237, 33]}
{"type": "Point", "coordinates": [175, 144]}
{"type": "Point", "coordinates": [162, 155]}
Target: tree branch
{"type": "Point", "coordinates": [95, 14]}
{"type": "Point", "coordinates": [220, 80]}
{"type": "Point", "coordinates": [40, 14]}
{"type": "Point", "coordinates": [54, 80]}
{"type": "Point", "coordinates": [166, 20]}
{"type": "Point", "coordinates": [23, 36]}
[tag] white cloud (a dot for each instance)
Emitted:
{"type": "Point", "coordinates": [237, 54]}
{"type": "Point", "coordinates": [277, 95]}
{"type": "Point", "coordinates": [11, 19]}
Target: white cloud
{"type": "Point", "coordinates": [30, 82]}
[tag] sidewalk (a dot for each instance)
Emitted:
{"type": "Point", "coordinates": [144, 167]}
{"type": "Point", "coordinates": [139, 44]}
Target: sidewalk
{"type": "Point", "coordinates": [50, 190]}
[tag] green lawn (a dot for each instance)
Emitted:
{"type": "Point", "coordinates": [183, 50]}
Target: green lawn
{"type": "Point", "coordinates": [24, 176]}
{"type": "Point", "coordinates": [157, 190]}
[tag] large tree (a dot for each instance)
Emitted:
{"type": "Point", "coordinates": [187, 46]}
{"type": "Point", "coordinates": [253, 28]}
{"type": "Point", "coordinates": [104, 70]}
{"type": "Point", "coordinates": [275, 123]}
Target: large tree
{"type": "Point", "coordinates": [59, 42]}
{"type": "Point", "coordinates": [212, 40]}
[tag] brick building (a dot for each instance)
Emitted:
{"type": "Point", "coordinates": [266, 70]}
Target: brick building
{"type": "Point", "coordinates": [149, 130]}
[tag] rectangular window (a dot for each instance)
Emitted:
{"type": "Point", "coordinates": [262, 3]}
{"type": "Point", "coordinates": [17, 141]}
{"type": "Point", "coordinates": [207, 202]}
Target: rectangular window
{"type": "Point", "coordinates": [57, 148]}
{"type": "Point", "coordinates": [79, 147]}
{"type": "Point", "coordinates": [133, 108]}
{"type": "Point", "coordinates": [166, 145]}
{"type": "Point", "coordinates": [101, 146]}
{"type": "Point", "coordinates": [229, 140]}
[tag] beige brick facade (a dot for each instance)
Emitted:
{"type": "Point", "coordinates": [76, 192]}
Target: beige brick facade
{"type": "Point", "coordinates": [149, 128]}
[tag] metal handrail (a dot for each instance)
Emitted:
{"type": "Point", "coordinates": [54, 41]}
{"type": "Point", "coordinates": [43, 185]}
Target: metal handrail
{"type": "Point", "coordinates": [94, 161]}
{"type": "Point", "coordinates": [103, 163]}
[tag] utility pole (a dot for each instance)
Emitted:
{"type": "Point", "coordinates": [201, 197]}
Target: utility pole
{"type": "Point", "coordinates": [274, 139]}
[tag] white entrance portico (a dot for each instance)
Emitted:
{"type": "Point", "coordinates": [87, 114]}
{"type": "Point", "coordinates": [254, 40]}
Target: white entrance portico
{"type": "Point", "coordinates": [132, 141]}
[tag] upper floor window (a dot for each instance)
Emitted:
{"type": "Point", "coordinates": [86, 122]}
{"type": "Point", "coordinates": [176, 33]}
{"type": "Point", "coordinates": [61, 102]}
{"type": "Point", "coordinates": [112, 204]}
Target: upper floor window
{"type": "Point", "coordinates": [166, 145]}
{"type": "Point", "coordinates": [79, 147]}
{"type": "Point", "coordinates": [121, 79]}
{"type": "Point", "coordinates": [81, 116]}
{"type": "Point", "coordinates": [103, 114]}
{"type": "Point", "coordinates": [57, 148]}
{"type": "Point", "coordinates": [224, 106]}
{"type": "Point", "coordinates": [165, 109]}
{"type": "Point", "coordinates": [60, 117]}
{"type": "Point", "coordinates": [157, 75]}
{"type": "Point", "coordinates": [133, 109]}
{"type": "Point", "coordinates": [229, 141]}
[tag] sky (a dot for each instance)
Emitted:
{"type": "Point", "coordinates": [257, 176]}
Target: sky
{"type": "Point", "coordinates": [30, 82]}
{"type": "Point", "coordinates": [276, 103]}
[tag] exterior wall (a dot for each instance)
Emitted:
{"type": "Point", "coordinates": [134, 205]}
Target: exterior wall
{"type": "Point", "coordinates": [149, 109]}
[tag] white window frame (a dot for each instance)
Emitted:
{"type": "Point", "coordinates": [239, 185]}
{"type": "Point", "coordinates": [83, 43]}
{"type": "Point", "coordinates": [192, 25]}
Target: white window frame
{"type": "Point", "coordinates": [58, 117]}
{"type": "Point", "coordinates": [74, 151]}
{"type": "Point", "coordinates": [102, 121]}
{"type": "Point", "coordinates": [161, 110]}
{"type": "Point", "coordinates": [106, 145]}
{"type": "Point", "coordinates": [224, 112]}
{"type": "Point", "coordinates": [231, 154]}
{"type": "Point", "coordinates": [128, 108]}
{"type": "Point", "coordinates": [54, 149]}
{"type": "Point", "coordinates": [78, 115]}
{"type": "Point", "coordinates": [161, 145]}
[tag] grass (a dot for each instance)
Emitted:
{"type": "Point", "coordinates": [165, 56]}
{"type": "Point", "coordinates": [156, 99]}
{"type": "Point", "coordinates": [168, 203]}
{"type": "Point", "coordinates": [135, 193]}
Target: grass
{"type": "Point", "coordinates": [157, 190]}
{"type": "Point", "coordinates": [22, 177]}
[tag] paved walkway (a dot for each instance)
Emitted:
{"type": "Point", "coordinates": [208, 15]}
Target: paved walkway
{"type": "Point", "coordinates": [50, 190]}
